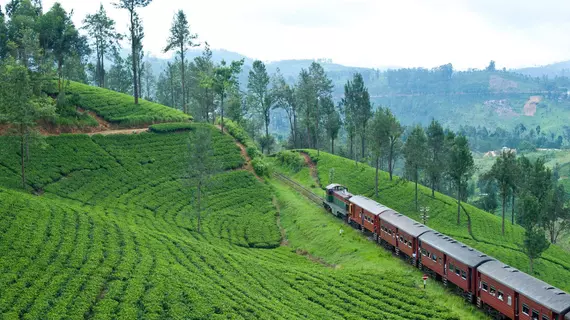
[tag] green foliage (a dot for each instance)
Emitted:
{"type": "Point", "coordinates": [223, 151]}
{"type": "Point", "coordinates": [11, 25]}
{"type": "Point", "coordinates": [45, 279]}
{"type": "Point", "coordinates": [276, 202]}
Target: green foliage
{"type": "Point", "coordinates": [552, 267]}
{"type": "Point", "coordinates": [118, 108]}
{"type": "Point", "coordinates": [260, 166]}
{"type": "Point", "coordinates": [243, 137]}
{"type": "Point", "coordinates": [172, 127]}
{"type": "Point", "coordinates": [291, 159]}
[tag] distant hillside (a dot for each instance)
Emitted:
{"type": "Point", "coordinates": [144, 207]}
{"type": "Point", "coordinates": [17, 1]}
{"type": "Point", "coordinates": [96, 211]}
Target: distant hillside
{"type": "Point", "coordinates": [551, 70]}
{"type": "Point", "coordinates": [476, 98]}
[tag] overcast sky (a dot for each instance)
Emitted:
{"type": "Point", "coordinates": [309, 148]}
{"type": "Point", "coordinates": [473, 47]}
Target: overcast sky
{"type": "Point", "coordinates": [367, 33]}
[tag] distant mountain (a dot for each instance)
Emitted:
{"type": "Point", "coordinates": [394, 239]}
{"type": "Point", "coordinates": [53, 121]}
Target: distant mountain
{"type": "Point", "coordinates": [551, 70]}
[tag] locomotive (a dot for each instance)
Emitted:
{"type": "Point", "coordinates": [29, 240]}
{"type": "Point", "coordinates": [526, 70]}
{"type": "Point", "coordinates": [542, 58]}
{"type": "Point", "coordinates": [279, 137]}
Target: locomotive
{"type": "Point", "coordinates": [503, 291]}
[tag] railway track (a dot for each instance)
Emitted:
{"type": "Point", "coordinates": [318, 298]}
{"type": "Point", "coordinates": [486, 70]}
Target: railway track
{"type": "Point", "coordinates": [299, 188]}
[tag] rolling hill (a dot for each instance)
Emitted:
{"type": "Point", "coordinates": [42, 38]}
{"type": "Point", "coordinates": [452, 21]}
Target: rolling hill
{"type": "Point", "coordinates": [107, 228]}
{"type": "Point", "coordinates": [553, 267]}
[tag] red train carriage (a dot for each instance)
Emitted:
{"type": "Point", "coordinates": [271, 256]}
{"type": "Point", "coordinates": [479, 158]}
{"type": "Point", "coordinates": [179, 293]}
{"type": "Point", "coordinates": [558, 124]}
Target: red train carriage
{"type": "Point", "coordinates": [336, 200]}
{"type": "Point", "coordinates": [517, 295]}
{"type": "Point", "coordinates": [364, 212]}
{"type": "Point", "coordinates": [453, 261]}
{"type": "Point", "coordinates": [402, 233]}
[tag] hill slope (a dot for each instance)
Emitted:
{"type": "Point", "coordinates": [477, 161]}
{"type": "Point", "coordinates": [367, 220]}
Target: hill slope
{"type": "Point", "coordinates": [113, 235]}
{"type": "Point", "coordinates": [553, 267]}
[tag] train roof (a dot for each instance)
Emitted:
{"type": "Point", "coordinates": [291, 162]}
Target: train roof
{"type": "Point", "coordinates": [369, 205]}
{"type": "Point", "coordinates": [454, 248]}
{"type": "Point", "coordinates": [333, 185]}
{"type": "Point", "coordinates": [529, 286]}
{"type": "Point", "coordinates": [404, 223]}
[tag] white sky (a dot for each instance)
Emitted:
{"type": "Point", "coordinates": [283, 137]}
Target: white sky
{"type": "Point", "coordinates": [367, 33]}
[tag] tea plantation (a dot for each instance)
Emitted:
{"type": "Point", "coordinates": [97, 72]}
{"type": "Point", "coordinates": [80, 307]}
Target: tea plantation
{"type": "Point", "coordinates": [118, 108]}
{"type": "Point", "coordinates": [107, 229]}
{"type": "Point", "coordinates": [553, 267]}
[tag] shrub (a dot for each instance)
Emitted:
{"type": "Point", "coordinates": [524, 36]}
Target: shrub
{"type": "Point", "coordinates": [291, 159]}
{"type": "Point", "coordinates": [172, 127]}
{"type": "Point", "coordinates": [236, 131]}
{"type": "Point", "coordinates": [260, 166]}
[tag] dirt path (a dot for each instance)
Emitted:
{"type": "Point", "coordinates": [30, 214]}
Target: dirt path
{"type": "Point", "coordinates": [119, 131]}
{"type": "Point", "coordinates": [312, 167]}
{"type": "Point", "coordinates": [247, 166]}
{"type": "Point", "coordinates": [284, 241]}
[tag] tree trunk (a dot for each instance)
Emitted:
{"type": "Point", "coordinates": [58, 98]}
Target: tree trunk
{"type": "Point", "coordinates": [503, 223]}
{"type": "Point", "coordinates": [416, 180]}
{"type": "Point", "coordinates": [376, 182]}
{"type": "Point", "coordinates": [531, 265]}
{"type": "Point", "coordinates": [183, 71]}
{"type": "Point", "coordinates": [294, 130]}
{"type": "Point", "coordinates": [22, 156]}
{"type": "Point", "coordinates": [390, 161]}
{"type": "Point", "coordinates": [102, 76]}
{"type": "Point", "coordinates": [134, 58]}
{"type": "Point", "coordinates": [171, 87]}
{"type": "Point", "coordinates": [332, 145]}
{"type": "Point", "coordinates": [433, 188]}
{"type": "Point", "coordinates": [458, 203]}
{"type": "Point", "coordinates": [351, 146]}
{"type": "Point", "coordinates": [222, 110]}
{"type": "Point", "coordinates": [59, 72]}
{"type": "Point", "coordinates": [513, 209]}
{"type": "Point", "coordinates": [362, 138]}
{"type": "Point", "coordinates": [199, 206]}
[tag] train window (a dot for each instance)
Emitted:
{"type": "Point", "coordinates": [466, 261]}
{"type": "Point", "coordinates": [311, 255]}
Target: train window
{"type": "Point", "coordinates": [545, 318]}
{"type": "Point", "coordinates": [485, 287]}
{"type": "Point", "coordinates": [500, 295]}
{"type": "Point", "coordinates": [493, 292]}
{"type": "Point", "coordinates": [451, 267]}
{"type": "Point", "coordinates": [457, 271]}
{"type": "Point", "coordinates": [525, 309]}
{"type": "Point", "coordinates": [409, 244]}
{"type": "Point", "coordinates": [509, 300]}
{"type": "Point", "coordinates": [463, 275]}
{"type": "Point", "coordinates": [535, 315]}
{"type": "Point", "coordinates": [434, 257]}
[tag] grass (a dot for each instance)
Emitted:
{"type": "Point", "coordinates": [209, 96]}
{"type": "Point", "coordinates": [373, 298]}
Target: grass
{"type": "Point", "coordinates": [118, 108]}
{"type": "Point", "coordinates": [553, 267]}
{"type": "Point", "coordinates": [114, 235]}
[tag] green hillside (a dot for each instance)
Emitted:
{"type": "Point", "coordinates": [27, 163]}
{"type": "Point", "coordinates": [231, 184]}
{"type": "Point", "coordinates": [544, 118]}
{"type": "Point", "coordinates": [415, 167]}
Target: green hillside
{"type": "Point", "coordinates": [118, 108]}
{"type": "Point", "coordinates": [111, 233]}
{"type": "Point", "coordinates": [553, 267]}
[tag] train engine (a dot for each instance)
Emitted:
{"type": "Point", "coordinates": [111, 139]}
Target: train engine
{"type": "Point", "coordinates": [337, 200]}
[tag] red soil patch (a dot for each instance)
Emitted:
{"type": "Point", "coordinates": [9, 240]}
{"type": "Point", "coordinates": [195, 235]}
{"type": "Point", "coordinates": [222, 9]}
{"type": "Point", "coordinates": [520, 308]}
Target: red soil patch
{"type": "Point", "coordinates": [312, 167]}
{"type": "Point", "coordinates": [530, 106]}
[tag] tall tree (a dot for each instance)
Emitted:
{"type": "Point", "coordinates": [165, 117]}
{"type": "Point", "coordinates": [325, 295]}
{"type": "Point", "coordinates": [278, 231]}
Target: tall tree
{"type": "Point", "coordinates": [225, 78]}
{"type": "Point", "coordinates": [415, 150]}
{"type": "Point", "coordinates": [24, 105]}
{"type": "Point", "coordinates": [503, 173]}
{"type": "Point", "coordinates": [359, 108]}
{"type": "Point", "coordinates": [534, 242]}
{"type": "Point", "coordinates": [104, 38]}
{"type": "Point", "coordinates": [149, 81]}
{"type": "Point", "coordinates": [202, 69]}
{"type": "Point", "coordinates": [378, 136]}
{"type": "Point", "coordinates": [435, 155]}
{"type": "Point", "coordinates": [260, 95]}
{"type": "Point", "coordinates": [202, 166]}
{"type": "Point", "coordinates": [58, 36]}
{"type": "Point", "coordinates": [322, 87]}
{"type": "Point", "coordinates": [332, 121]}
{"type": "Point", "coordinates": [285, 99]}
{"type": "Point", "coordinates": [4, 49]}
{"type": "Point", "coordinates": [393, 131]}
{"type": "Point", "coordinates": [181, 40]}
{"type": "Point", "coordinates": [131, 6]}
{"type": "Point", "coordinates": [557, 214]}
{"type": "Point", "coordinates": [460, 167]}
{"type": "Point", "coordinates": [120, 74]}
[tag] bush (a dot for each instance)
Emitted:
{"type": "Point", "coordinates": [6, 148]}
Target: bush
{"type": "Point", "coordinates": [291, 159]}
{"type": "Point", "coordinates": [172, 127]}
{"type": "Point", "coordinates": [260, 166]}
{"type": "Point", "coordinates": [236, 131]}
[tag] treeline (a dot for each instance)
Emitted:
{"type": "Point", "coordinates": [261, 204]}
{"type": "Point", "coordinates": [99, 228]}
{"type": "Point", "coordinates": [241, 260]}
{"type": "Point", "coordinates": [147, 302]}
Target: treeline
{"type": "Point", "coordinates": [520, 138]}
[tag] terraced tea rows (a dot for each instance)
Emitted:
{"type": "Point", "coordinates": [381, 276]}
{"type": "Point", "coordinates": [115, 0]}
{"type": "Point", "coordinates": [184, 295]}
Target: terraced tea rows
{"type": "Point", "coordinates": [119, 108]}
{"type": "Point", "coordinates": [553, 267]}
{"type": "Point", "coordinates": [114, 236]}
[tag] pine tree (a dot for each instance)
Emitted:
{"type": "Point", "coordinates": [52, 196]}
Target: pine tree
{"type": "Point", "coordinates": [415, 150]}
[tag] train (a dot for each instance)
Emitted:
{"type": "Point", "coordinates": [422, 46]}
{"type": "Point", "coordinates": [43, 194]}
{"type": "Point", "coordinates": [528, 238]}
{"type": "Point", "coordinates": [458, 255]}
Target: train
{"type": "Point", "coordinates": [501, 290]}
